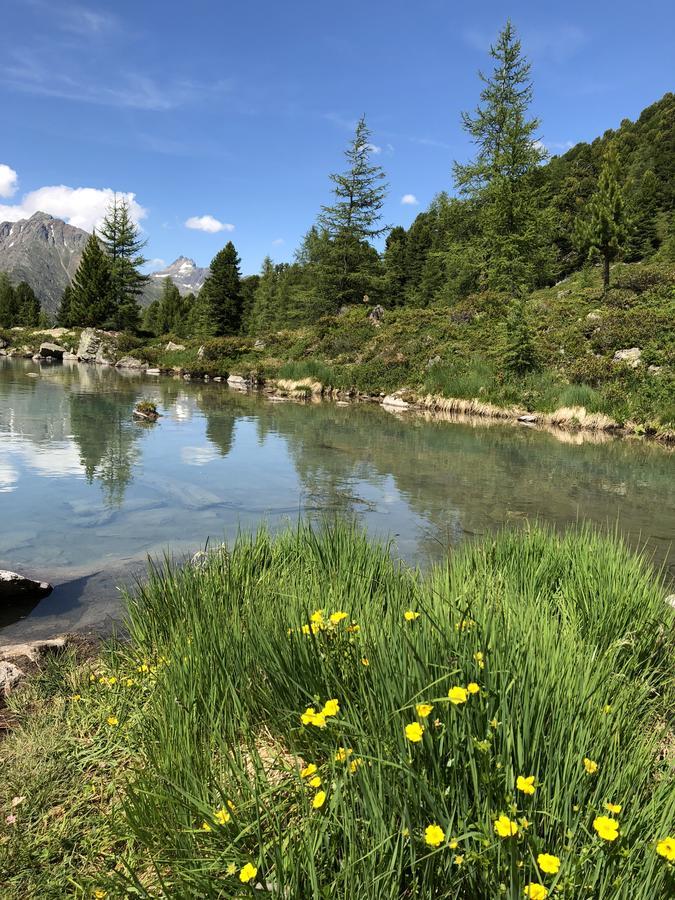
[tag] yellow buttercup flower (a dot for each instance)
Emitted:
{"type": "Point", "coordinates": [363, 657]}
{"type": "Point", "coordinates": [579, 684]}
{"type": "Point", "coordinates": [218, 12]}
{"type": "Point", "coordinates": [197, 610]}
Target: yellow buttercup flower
{"type": "Point", "coordinates": [607, 709]}
{"type": "Point", "coordinates": [343, 753]}
{"type": "Point", "coordinates": [308, 715]}
{"type": "Point", "coordinates": [613, 808]}
{"type": "Point", "coordinates": [410, 615]}
{"type": "Point", "coordinates": [354, 764]}
{"type": "Point", "coordinates": [480, 659]}
{"type": "Point", "coordinates": [457, 695]}
{"type": "Point", "coordinates": [423, 709]}
{"type": "Point", "coordinates": [312, 717]}
{"type": "Point", "coordinates": [590, 765]}
{"type": "Point", "coordinates": [434, 835]}
{"type": "Point", "coordinates": [222, 816]}
{"type": "Point", "coordinates": [365, 661]}
{"type": "Point", "coordinates": [607, 828]}
{"type": "Point", "coordinates": [535, 891]}
{"type": "Point", "coordinates": [206, 826]}
{"type": "Point", "coordinates": [548, 863]}
{"type": "Point", "coordinates": [113, 721]}
{"type": "Point", "coordinates": [458, 859]}
{"type": "Point", "coordinates": [338, 617]}
{"type": "Point", "coordinates": [505, 827]}
{"type": "Point", "coordinates": [247, 873]}
{"type": "Point", "coordinates": [308, 771]}
{"type": "Point", "coordinates": [526, 784]}
{"type": "Point", "coordinates": [453, 844]}
{"type": "Point", "coordinates": [100, 894]}
{"type": "Point", "coordinates": [331, 708]}
{"type": "Point", "coordinates": [354, 628]}
{"type": "Point", "coordinates": [666, 848]}
{"type": "Point", "coordinates": [319, 799]}
{"type": "Point", "coordinates": [76, 697]}
{"type": "Point", "coordinates": [231, 869]}
{"type": "Point", "coordinates": [472, 687]}
{"type": "Point", "coordinates": [317, 617]}
{"type": "Point", "coordinates": [315, 782]}
{"type": "Point", "coordinates": [414, 732]}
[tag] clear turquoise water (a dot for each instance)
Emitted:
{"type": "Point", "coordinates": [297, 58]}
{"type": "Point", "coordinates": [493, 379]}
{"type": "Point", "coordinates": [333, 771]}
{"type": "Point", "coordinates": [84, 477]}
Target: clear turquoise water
{"type": "Point", "coordinates": [86, 493]}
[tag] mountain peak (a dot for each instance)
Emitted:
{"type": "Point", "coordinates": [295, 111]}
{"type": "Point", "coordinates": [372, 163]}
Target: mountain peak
{"type": "Point", "coordinates": [39, 216]}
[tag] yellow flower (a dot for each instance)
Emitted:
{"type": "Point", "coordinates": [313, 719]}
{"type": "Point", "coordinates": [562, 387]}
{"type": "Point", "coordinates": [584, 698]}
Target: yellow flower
{"type": "Point", "coordinates": [317, 617]}
{"type": "Point", "coordinates": [112, 680]}
{"type": "Point", "coordinates": [353, 628]}
{"type": "Point", "coordinates": [414, 732]}
{"type": "Point", "coordinates": [607, 828]}
{"type": "Point", "coordinates": [464, 625]}
{"type": "Point", "coordinates": [330, 708]}
{"type": "Point", "coordinates": [548, 863]}
{"type": "Point", "coordinates": [423, 709]}
{"type": "Point", "coordinates": [458, 859]}
{"type": "Point", "coordinates": [113, 721]}
{"type": "Point", "coordinates": [130, 682]}
{"type": "Point", "coordinates": [308, 715]}
{"type": "Point", "coordinates": [143, 668]}
{"type": "Point", "coordinates": [666, 848]}
{"type": "Point", "coordinates": [206, 826]}
{"type": "Point", "coordinates": [319, 720]}
{"type": "Point", "coordinates": [248, 873]}
{"type": "Point", "coordinates": [472, 687]}
{"type": "Point", "coordinates": [613, 808]}
{"type": "Point", "coordinates": [76, 697]}
{"type": "Point", "coordinates": [315, 782]}
{"type": "Point", "coordinates": [319, 800]}
{"type": "Point", "coordinates": [535, 891]}
{"type": "Point", "coordinates": [92, 678]}
{"type": "Point", "coordinates": [337, 617]}
{"type": "Point", "coordinates": [480, 659]}
{"type": "Point", "coordinates": [222, 816]}
{"type": "Point", "coordinates": [308, 771]}
{"type": "Point", "coordinates": [453, 844]}
{"type": "Point", "coordinates": [526, 785]}
{"type": "Point", "coordinates": [494, 723]}
{"type": "Point", "coordinates": [434, 835]}
{"type": "Point", "coordinates": [354, 764]}
{"type": "Point", "coordinates": [231, 805]}
{"type": "Point", "coordinates": [457, 695]}
{"type": "Point", "coordinates": [410, 615]}
{"type": "Point", "coordinates": [365, 661]}
{"type": "Point", "coordinates": [590, 765]}
{"type": "Point", "coordinates": [524, 823]}
{"type": "Point", "coordinates": [231, 869]}
{"type": "Point", "coordinates": [100, 894]}
{"type": "Point", "coordinates": [343, 753]}
{"type": "Point", "coordinates": [607, 709]}
{"type": "Point", "coordinates": [506, 827]}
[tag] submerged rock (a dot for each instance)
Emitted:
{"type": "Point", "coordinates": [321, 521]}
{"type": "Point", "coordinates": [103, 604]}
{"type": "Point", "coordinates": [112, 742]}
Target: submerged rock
{"type": "Point", "coordinates": [51, 351]}
{"type": "Point", "coordinates": [17, 588]}
{"type": "Point", "coordinates": [131, 362]}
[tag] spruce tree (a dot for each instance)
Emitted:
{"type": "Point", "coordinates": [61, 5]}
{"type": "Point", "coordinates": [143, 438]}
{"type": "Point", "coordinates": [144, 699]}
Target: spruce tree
{"type": "Point", "coordinates": [520, 355]}
{"type": "Point", "coordinates": [353, 221]}
{"type": "Point", "coordinates": [603, 230]}
{"type": "Point", "coordinates": [265, 311]}
{"type": "Point", "coordinates": [220, 300]}
{"type": "Point", "coordinates": [396, 273]}
{"type": "Point", "coordinates": [514, 228]}
{"type": "Point", "coordinates": [120, 238]}
{"type": "Point", "coordinates": [9, 308]}
{"type": "Point", "coordinates": [63, 314]}
{"type": "Point", "coordinates": [28, 305]}
{"type": "Point", "coordinates": [92, 297]}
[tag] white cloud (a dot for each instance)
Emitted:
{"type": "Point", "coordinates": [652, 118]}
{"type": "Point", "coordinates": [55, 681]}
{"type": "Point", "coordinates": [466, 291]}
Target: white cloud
{"type": "Point", "coordinates": [277, 242]}
{"type": "Point", "coordinates": [83, 207]}
{"type": "Point", "coordinates": [208, 224]}
{"type": "Point", "coordinates": [9, 181]}
{"type": "Point", "coordinates": [409, 200]}
{"type": "Point", "coordinates": [375, 149]}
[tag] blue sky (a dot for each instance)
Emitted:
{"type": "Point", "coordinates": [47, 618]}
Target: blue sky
{"type": "Point", "coordinates": [238, 111]}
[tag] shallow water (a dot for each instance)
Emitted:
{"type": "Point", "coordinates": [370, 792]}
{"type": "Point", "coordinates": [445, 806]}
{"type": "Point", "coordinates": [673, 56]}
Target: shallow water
{"type": "Point", "coordinates": [86, 493]}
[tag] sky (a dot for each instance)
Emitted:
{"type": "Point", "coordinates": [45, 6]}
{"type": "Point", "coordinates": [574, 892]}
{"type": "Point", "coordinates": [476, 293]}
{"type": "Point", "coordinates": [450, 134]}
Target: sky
{"type": "Point", "coordinates": [222, 121]}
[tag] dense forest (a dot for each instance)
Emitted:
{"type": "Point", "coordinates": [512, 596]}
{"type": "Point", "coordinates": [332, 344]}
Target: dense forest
{"type": "Point", "coordinates": [516, 221]}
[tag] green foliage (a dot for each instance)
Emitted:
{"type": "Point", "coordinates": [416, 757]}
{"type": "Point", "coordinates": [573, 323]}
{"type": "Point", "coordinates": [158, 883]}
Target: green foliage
{"type": "Point", "coordinates": [9, 307]}
{"type": "Point", "coordinates": [218, 309]}
{"type": "Point", "coordinates": [92, 299]}
{"type": "Point", "coordinates": [169, 314]}
{"type": "Point", "coordinates": [120, 238]}
{"type": "Point", "coordinates": [520, 355]}
{"type": "Point", "coordinates": [28, 305]}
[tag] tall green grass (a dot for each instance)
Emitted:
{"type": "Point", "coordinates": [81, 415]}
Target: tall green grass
{"type": "Point", "coordinates": [577, 661]}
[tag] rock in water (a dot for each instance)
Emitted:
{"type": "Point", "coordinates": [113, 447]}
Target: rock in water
{"type": "Point", "coordinates": [17, 588]}
{"type": "Point", "coordinates": [51, 351]}
{"type": "Point", "coordinates": [90, 344]}
{"type": "Point", "coordinates": [131, 362]}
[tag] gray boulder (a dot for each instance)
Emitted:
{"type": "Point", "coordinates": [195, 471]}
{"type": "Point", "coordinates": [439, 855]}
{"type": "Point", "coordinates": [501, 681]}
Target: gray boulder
{"type": "Point", "coordinates": [15, 587]}
{"type": "Point", "coordinates": [89, 346]}
{"type": "Point", "coordinates": [171, 346]}
{"type": "Point", "coordinates": [131, 362]}
{"type": "Point", "coordinates": [10, 678]}
{"type": "Point", "coordinates": [632, 357]}
{"type": "Point", "coordinates": [51, 351]}
{"type": "Point", "coordinates": [237, 381]}
{"type": "Point", "coordinates": [376, 315]}
{"type": "Point", "coordinates": [259, 345]}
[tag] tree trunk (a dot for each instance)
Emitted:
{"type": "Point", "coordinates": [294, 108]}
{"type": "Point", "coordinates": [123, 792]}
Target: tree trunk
{"type": "Point", "coordinates": [605, 273]}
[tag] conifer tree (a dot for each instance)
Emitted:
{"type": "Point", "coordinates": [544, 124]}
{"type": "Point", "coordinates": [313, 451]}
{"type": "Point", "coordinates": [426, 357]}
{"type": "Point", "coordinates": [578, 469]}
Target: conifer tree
{"type": "Point", "coordinates": [514, 227]}
{"type": "Point", "coordinates": [265, 310]}
{"type": "Point", "coordinates": [92, 295]}
{"type": "Point", "coordinates": [63, 314]}
{"type": "Point", "coordinates": [28, 305]}
{"type": "Point", "coordinates": [9, 308]}
{"type": "Point", "coordinates": [219, 305]}
{"type": "Point", "coordinates": [353, 221]}
{"type": "Point", "coordinates": [120, 238]}
{"type": "Point", "coordinates": [604, 229]}
{"type": "Point", "coordinates": [520, 356]}
{"type": "Point", "coordinates": [396, 274]}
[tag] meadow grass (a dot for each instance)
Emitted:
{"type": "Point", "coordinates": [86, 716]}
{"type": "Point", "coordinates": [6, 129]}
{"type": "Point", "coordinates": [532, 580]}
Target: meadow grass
{"type": "Point", "coordinates": [420, 697]}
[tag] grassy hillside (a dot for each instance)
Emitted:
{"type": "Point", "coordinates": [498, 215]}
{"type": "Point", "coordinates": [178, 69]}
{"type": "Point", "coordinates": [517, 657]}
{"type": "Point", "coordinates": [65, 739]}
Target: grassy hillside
{"type": "Point", "coordinates": [302, 717]}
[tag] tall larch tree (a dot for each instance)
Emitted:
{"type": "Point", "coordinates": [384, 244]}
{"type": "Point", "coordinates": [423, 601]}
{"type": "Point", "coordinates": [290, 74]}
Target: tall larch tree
{"type": "Point", "coordinates": [353, 221]}
{"type": "Point", "coordinates": [121, 239]}
{"type": "Point", "coordinates": [513, 237]}
{"type": "Point", "coordinates": [219, 305]}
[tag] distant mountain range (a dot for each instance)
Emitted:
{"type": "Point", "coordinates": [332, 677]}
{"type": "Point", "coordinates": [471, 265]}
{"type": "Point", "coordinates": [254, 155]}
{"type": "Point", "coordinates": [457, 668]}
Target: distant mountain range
{"type": "Point", "coordinates": [45, 252]}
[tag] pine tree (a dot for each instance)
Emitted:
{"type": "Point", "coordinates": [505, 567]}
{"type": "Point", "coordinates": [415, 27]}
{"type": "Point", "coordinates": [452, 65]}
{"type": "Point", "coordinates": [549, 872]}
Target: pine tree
{"type": "Point", "coordinates": [120, 238]}
{"type": "Point", "coordinates": [604, 229]}
{"type": "Point", "coordinates": [644, 238]}
{"type": "Point", "coordinates": [265, 312]}
{"type": "Point", "coordinates": [520, 356]}
{"type": "Point", "coordinates": [63, 314]}
{"type": "Point", "coordinates": [9, 308]}
{"type": "Point", "coordinates": [28, 305]}
{"type": "Point", "coordinates": [396, 273]}
{"type": "Point", "coordinates": [353, 221]}
{"type": "Point", "coordinates": [93, 298]}
{"type": "Point", "coordinates": [514, 227]}
{"type": "Point", "coordinates": [220, 301]}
